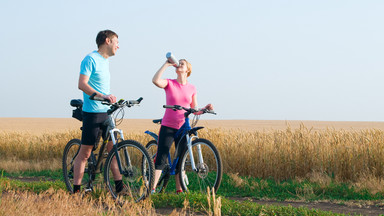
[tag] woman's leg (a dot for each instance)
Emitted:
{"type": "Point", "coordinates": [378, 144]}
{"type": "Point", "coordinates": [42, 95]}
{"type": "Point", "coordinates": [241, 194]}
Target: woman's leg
{"type": "Point", "coordinates": [164, 145]}
{"type": "Point", "coordinates": [180, 146]}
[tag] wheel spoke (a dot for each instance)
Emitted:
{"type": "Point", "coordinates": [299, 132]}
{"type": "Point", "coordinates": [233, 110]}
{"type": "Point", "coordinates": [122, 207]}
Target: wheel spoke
{"type": "Point", "coordinates": [137, 167]}
{"type": "Point", "coordinates": [208, 165]}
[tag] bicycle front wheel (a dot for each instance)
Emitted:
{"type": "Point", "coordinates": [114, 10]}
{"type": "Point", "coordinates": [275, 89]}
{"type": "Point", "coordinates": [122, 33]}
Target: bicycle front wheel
{"type": "Point", "coordinates": [137, 171]}
{"type": "Point", "coordinates": [209, 169]}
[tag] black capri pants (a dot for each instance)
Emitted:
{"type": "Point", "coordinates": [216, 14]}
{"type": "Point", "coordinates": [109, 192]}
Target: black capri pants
{"type": "Point", "coordinates": [166, 138]}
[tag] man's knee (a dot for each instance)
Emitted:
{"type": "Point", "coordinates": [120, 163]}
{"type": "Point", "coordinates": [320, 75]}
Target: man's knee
{"type": "Point", "coordinates": [85, 152]}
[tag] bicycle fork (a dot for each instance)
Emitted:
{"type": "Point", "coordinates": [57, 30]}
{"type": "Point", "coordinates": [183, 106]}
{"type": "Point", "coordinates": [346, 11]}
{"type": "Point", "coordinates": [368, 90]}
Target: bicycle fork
{"type": "Point", "coordinates": [114, 141]}
{"type": "Point", "coordinates": [199, 153]}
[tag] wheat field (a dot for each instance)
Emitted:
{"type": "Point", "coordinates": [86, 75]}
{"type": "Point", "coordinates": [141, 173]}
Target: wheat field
{"type": "Point", "coordinates": [346, 151]}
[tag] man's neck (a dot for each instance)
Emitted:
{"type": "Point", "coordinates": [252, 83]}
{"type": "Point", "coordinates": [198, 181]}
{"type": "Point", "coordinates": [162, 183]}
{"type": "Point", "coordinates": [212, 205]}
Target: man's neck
{"type": "Point", "coordinates": [103, 52]}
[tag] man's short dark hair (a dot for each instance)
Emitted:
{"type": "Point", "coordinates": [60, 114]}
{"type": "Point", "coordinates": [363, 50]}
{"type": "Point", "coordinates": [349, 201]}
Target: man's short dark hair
{"type": "Point", "coordinates": [100, 39]}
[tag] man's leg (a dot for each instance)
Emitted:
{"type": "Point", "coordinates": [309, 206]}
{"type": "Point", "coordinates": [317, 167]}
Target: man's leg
{"type": "Point", "coordinates": [114, 167]}
{"type": "Point", "coordinates": [80, 161]}
{"type": "Point", "coordinates": [119, 186]}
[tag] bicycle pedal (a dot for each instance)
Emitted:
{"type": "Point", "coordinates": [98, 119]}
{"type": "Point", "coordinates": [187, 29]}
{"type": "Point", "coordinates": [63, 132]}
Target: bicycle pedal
{"type": "Point", "coordinates": [88, 190]}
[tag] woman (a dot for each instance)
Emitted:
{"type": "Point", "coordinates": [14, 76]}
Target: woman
{"type": "Point", "coordinates": [178, 92]}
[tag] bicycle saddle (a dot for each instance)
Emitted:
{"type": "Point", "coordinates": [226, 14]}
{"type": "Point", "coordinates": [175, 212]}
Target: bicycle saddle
{"type": "Point", "coordinates": [77, 103]}
{"type": "Point", "coordinates": [157, 121]}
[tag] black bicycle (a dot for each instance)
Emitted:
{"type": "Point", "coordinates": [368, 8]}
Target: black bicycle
{"type": "Point", "coordinates": [134, 162]}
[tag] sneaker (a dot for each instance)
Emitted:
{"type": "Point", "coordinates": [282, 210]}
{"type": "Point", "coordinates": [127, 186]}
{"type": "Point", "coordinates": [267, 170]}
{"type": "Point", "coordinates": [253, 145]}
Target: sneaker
{"type": "Point", "coordinates": [124, 192]}
{"type": "Point", "coordinates": [88, 190]}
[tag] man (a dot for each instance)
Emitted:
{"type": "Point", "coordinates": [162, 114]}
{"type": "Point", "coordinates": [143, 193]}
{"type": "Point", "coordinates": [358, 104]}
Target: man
{"type": "Point", "coordinates": [95, 78]}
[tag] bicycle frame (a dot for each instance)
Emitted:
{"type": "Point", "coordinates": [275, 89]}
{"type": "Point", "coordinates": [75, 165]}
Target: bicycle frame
{"type": "Point", "coordinates": [184, 131]}
{"type": "Point", "coordinates": [111, 133]}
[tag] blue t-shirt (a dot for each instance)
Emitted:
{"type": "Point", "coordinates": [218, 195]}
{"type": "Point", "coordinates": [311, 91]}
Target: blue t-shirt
{"type": "Point", "coordinates": [96, 67]}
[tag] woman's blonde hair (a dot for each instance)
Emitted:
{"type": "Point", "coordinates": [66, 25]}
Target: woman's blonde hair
{"type": "Point", "coordinates": [189, 67]}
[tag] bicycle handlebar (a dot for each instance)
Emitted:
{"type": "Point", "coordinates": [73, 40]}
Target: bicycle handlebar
{"type": "Point", "coordinates": [119, 104]}
{"type": "Point", "coordinates": [94, 97]}
{"type": "Point", "coordinates": [189, 110]}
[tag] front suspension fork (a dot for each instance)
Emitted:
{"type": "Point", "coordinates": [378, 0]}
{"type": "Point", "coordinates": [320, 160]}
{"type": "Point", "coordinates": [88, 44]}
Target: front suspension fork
{"type": "Point", "coordinates": [114, 141]}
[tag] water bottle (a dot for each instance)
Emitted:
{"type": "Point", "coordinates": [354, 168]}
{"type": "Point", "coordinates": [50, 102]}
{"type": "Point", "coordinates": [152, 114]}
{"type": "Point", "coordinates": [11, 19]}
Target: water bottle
{"type": "Point", "coordinates": [171, 59]}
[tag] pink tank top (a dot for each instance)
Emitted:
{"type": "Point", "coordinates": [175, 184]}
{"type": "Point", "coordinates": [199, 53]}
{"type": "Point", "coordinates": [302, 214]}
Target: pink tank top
{"type": "Point", "coordinates": [177, 94]}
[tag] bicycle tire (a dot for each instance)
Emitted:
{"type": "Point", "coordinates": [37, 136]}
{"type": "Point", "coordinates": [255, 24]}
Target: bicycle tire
{"type": "Point", "coordinates": [209, 173]}
{"type": "Point", "coordinates": [70, 152]}
{"type": "Point", "coordinates": [165, 175]}
{"type": "Point", "coordinates": [137, 179]}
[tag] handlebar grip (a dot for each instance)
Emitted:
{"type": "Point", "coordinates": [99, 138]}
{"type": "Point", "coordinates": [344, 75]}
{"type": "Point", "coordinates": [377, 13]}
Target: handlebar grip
{"type": "Point", "coordinates": [93, 97]}
{"type": "Point", "coordinates": [208, 111]}
{"type": "Point", "coordinates": [135, 101]}
{"type": "Point", "coordinates": [174, 107]}
{"type": "Point", "coordinates": [211, 112]}
{"type": "Point", "coordinates": [168, 106]}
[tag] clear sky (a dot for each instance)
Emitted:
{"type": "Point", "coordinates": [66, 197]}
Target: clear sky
{"type": "Point", "coordinates": [261, 60]}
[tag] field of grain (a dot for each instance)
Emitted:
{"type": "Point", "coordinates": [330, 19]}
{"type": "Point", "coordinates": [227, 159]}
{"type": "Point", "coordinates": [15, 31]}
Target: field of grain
{"type": "Point", "coordinates": [47, 125]}
{"type": "Point", "coordinates": [347, 151]}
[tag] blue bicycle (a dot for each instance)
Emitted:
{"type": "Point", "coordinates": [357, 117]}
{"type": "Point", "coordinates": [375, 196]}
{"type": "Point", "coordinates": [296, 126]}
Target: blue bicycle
{"type": "Point", "coordinates": [200, 163]}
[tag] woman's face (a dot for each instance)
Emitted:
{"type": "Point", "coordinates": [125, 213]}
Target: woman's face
{"type": "Point", "coordinates": [182, 68]}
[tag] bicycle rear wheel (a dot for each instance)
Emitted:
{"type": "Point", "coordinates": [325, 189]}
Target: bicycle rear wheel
{"type": "Point", "coordinates": [137, 167]}
{"type": "Point", "coordinates": [70, 152]}
{"type": "Point", "coordinates": [164, 178]}
{"type": "Point", "coordinates": [209, 168]}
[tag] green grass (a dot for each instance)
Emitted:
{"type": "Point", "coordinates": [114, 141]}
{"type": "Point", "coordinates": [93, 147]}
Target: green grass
{"type": "Point", "coordinates": [256, 188]}
{"type": "Point", "coordinates": [51, 174]}
{"type": "Point", "coordinates": [293, 189]}
{"type": "Point", "coordinates": [250, 187]}
{"type": "Point", "coordinates": [196, 202]}
{"type": "Point", "coordinates": [288, 190]}
{"type": "Point", "coordinates": [36, 187]}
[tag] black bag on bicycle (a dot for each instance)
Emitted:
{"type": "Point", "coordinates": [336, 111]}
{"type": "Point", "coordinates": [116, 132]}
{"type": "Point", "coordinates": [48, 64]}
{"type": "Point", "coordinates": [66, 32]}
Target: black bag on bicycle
{"type": "Point", "coordinates": [78, 112]}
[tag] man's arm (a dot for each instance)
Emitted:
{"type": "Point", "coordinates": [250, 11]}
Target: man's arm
{"type": "Point", "coordinates": [87, 89]}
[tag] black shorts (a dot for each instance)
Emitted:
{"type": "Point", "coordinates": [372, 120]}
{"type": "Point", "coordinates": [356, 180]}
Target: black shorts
{"type": "Point", "coordinates": [166, 138]}
{"type": "Point", "coordinates": [93, 127]}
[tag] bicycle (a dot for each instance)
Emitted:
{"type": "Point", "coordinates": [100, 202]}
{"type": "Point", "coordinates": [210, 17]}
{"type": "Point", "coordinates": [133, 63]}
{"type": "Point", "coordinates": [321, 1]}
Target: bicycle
{"type": "Point", "coordinates": [200, 165]}
{"type": "Point", "coordinates": [134, 162]}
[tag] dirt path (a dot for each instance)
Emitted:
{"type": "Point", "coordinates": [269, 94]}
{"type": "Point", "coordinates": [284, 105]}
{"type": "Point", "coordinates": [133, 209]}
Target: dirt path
{"type": "Point", "coordinates": [373, 208]}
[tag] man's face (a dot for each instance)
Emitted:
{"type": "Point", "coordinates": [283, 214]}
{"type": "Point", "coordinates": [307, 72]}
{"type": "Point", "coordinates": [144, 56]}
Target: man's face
{"type": "Point", "coordinates": [113, 45]}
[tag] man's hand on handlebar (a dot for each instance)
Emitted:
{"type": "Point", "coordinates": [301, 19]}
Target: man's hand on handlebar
{"type": "Point", "coordinates": [111, 98]}
{"type": "Point", "coordinates": [100, 97]}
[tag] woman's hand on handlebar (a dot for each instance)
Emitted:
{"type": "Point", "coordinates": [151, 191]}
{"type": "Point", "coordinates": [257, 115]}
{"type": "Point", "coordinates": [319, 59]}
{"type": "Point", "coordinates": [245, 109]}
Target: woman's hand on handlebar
{"type": "Point", "coordinates": [207, 107]}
